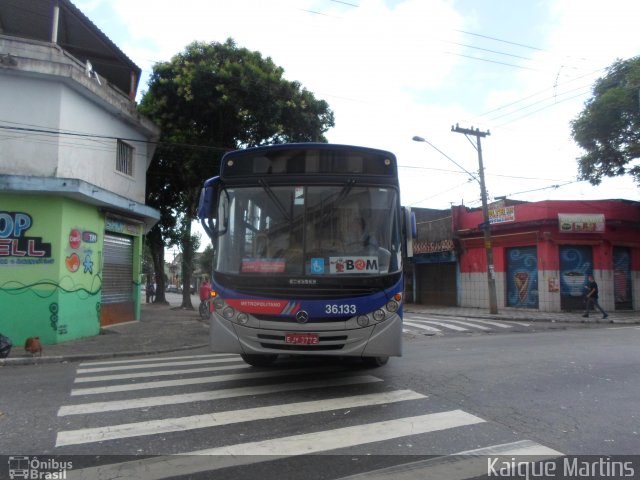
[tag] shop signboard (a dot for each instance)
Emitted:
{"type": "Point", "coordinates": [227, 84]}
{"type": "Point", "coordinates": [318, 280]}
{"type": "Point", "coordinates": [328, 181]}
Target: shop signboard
{"type": "Point", "coordinates": [581, 222]}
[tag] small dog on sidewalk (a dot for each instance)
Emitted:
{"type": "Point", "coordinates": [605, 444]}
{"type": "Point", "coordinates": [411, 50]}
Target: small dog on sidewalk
{"type": "Point", "coordinates": [33, 346]}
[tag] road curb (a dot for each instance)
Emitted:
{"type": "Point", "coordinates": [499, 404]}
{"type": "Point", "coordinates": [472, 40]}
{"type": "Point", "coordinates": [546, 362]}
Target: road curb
{"type": "Point", "coordinates": [513, 318]}
{"type": "Point", "coordinates": [92, 356]}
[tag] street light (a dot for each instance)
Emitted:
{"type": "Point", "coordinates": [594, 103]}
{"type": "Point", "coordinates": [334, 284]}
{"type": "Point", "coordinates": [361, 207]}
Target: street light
{"type": "Point", "coordinates": [486, 225]}
{"type": "Point", "coordinates": [420, 139]}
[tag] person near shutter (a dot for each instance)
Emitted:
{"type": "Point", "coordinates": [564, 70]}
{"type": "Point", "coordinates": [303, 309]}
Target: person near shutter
{"type": "Point", "coordinates": [591, 298]}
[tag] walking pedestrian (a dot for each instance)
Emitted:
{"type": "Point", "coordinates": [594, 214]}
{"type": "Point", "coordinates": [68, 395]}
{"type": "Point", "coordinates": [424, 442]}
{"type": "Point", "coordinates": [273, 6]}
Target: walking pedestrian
{"type": "Point", "coordinates": [592, 298]}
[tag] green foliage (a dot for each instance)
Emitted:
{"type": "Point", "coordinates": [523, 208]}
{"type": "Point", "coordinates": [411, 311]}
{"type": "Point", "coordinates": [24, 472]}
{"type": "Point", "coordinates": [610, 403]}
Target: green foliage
{"type": "Point", "coordinates": [608, 128]}
{"type": "Point", "coordinates": [205, 262]}
{"type": "Point", "coordinates": [209, 99]}
{"type": "Point", "coordinates": [222, 96]}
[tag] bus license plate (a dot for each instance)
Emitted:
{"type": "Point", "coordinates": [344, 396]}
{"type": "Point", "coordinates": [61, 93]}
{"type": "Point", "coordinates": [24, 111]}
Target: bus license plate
{"type": "Point", "coordinates": [302, 338]}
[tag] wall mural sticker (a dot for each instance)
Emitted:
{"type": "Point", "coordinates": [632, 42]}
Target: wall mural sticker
{"type": "Point", "coordinates": [622, 278]}
{"type": "Point", "coordinates": [74, 238]}
{"type": "Point", "coordinates": [575, 266]}
{"type": "Point", "coordinates": [88, 264]}
{"type": "Point", "coordinates": [78, 237]}
{"type": "Point", "coordinates": [62, 301]}
{"type": "Point", "coordinates": [18, 249]}
{"type": "Point", "coordinates": [522, 277]}
{"type": "Point", "coordinates": [53, 319]}
{"type": "Point", "coordinates": [72, 262]}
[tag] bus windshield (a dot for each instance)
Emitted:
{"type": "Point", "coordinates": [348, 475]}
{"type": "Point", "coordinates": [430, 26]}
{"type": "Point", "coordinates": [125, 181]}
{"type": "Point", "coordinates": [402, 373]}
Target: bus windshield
{"type": "Point", "coordinates": [312, 230]}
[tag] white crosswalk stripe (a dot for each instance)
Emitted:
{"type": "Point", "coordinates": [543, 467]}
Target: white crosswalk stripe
{"type": "Point", "coordinates": [161, 373]}
{"type": "Point", "coordinates": [422, 327]}
{"type": "Point", "coordinates": [441, 324]}
{"type": "Point", "coordinates": [142, 361]}
{"type": "Point", "coordinates": [458, 324]}
{"type": "Point", "coordinates": [224, 418]}
{"type": "Point", "coordinates": [307, 392]}
{"type": "Point", "coordinates": [160, 364]}
{"type": "Point", "coordinates": [147, 402]}
{"type": "Point", "coordinates": [127, 387]}
{"type": "Point", "coordinates": [316, 442]}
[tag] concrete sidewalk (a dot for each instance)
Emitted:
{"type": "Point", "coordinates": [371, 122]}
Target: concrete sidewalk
{"type": "Point", "coordinates": [168, 328]}
{"type": "Point", "coordinates": [162, 328]}
{"type": "Point", "coordinates": [525, 314]}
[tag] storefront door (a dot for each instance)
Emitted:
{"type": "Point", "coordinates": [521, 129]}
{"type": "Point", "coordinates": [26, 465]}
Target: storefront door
{"type": "Point", "coordinates": [437, 284]}
{"type": "Point", "coordinates": [576, 263]}
{"type": "Point", "coordinates": [522, 277]}
{"type": "Point", "coordinates": [622, 278]}
{"type": "Point", "coordinates": [117, 280]}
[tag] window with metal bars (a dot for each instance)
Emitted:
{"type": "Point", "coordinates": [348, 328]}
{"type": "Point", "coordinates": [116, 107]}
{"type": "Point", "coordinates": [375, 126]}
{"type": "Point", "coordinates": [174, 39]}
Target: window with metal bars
{"type": "Point", "coordinates": [124, 159]}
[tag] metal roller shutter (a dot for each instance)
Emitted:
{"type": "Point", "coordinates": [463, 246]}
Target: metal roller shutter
{"type": "Point", "coordinates": [437, 284]}
{"type": "Point", "coordinates": [117, 271]}
{"type": "Point", "coordinates": [522, 277]}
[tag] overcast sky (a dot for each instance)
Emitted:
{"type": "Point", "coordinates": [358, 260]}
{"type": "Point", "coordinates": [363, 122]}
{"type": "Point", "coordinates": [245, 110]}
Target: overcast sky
{"type": "Point", "coordinates": [394, 69]}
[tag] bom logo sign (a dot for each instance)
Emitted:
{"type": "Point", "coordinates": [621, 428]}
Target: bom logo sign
{"type": "Point", "coordinates": [347, 265]}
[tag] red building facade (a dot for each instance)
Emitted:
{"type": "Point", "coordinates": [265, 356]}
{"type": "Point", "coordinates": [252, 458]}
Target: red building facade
{"type": "Point", "coordinates": [544, 251]}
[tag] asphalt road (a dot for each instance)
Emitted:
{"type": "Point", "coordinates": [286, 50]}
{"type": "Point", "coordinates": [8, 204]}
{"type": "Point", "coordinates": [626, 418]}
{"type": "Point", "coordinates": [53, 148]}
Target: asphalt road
{"type": "Point", "coordinates": [570, 391]}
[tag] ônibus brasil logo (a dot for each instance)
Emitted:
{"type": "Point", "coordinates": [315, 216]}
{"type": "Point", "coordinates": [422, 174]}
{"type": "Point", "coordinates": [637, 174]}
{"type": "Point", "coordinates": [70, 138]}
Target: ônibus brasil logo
{"type": "Point", "coordinates": [37, 468]}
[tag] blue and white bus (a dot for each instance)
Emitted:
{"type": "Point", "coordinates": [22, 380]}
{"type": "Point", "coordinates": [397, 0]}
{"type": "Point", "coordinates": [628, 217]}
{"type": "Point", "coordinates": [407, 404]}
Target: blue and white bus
{"type": "Point", "coordinates": [307, 253]}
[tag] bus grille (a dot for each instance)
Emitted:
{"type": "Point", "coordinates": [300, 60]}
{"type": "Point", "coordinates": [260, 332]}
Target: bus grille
{"type": "Point", "coordinates": [274, 318]}
{"type": "Point", "coordinates": [265, 343]}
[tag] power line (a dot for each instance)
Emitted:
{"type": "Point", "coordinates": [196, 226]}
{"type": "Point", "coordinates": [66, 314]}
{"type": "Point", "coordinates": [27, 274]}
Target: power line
{"type": "Point", "coordinates": [543, 91]}
{"type": "Point", "coordinates": [488, 50]}
{"type": "Point", "coordinates": [500, 40]}
{"type": "Point", "coordinates": [345, 3]}
{"type": "Point", "coordinates": [109, 137]}
{"type": "Point", "coordinates": [512, 112]}
{"type": "Point", "coordinates": [491, 61]}
{"type": "Point", "coordinates": [438, 194]}
{"type": "Point", "coordinates": [543, 188]}
{"type": "Point", "coordinates": [539, 110]}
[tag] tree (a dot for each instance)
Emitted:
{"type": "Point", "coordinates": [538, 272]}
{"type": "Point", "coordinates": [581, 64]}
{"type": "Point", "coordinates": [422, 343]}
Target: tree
{"type": "Point", "coordinates": [209, 99]}
{"type": "Point", "coordinates": [205, 262]}
{"type": "Point", "coordinates": [160, 196]}
{"type": "Point", "coordinates": [608, 128]}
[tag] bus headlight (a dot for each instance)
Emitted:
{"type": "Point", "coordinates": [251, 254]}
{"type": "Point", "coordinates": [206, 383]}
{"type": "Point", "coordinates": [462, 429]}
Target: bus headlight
{"type": "Point", "coordinates": [378, 315]}
{"type": "Point", "coordinates": [228, 313]}
{"type": "Point", "coordinates": [242, 318]}
{"type": "Point", "coordinates": [363, 320]}
{"type": "Point", "coordinates": [393, 306]}
{"type": "Point", "coordinates": [218, 303]}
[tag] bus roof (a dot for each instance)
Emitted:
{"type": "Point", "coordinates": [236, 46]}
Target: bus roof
{"type": "Point", "coordinates": [308, 158]}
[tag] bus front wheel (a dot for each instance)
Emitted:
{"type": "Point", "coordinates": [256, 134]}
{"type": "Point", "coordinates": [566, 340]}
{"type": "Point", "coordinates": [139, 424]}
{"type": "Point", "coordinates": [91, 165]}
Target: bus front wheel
{"type": "Point", "coordinates": [374, 362]}
{"type": "Point", "coordinates": [259, 360]}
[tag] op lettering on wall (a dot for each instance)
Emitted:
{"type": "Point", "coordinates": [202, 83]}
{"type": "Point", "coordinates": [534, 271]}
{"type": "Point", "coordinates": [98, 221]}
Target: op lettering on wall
{"type": "Point", "coordinates": [16, 248]}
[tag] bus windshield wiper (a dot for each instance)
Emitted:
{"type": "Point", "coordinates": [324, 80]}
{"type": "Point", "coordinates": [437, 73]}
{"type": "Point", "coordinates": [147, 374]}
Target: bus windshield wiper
{"type": "Point", "coordinates": [275, 200]}
{"type": "Point", "coordinates": [345, 190]}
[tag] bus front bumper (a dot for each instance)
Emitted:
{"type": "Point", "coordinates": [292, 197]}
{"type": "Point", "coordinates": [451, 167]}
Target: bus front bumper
{"type": "Point", "coordinates": [377, 340]}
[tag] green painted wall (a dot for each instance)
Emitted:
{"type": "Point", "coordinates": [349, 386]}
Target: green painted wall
{"type": "Point", "coordinates": [50, 258]}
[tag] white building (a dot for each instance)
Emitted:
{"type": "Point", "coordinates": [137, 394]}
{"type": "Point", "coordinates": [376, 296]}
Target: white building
{"type": "Point", "coordinates": [73, 159]}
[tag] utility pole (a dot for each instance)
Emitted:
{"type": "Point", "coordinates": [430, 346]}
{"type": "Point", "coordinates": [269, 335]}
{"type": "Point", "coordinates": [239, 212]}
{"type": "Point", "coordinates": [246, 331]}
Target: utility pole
{"type": "Point", "coordinates": [486, 226]}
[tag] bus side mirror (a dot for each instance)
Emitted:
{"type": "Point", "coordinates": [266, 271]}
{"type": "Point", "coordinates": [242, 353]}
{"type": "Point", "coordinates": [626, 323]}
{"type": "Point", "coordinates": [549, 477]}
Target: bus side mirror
{"type": "Point", "coordinates": [410, 230]}
{"type": "Point", "coordinates": [207, 206]}
{"type": "Point", "coordinates": [414, 226]}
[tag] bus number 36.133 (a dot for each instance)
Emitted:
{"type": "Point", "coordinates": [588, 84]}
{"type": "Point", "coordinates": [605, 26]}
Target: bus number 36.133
{"type": "Point", "coordinates": [340, 309]}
